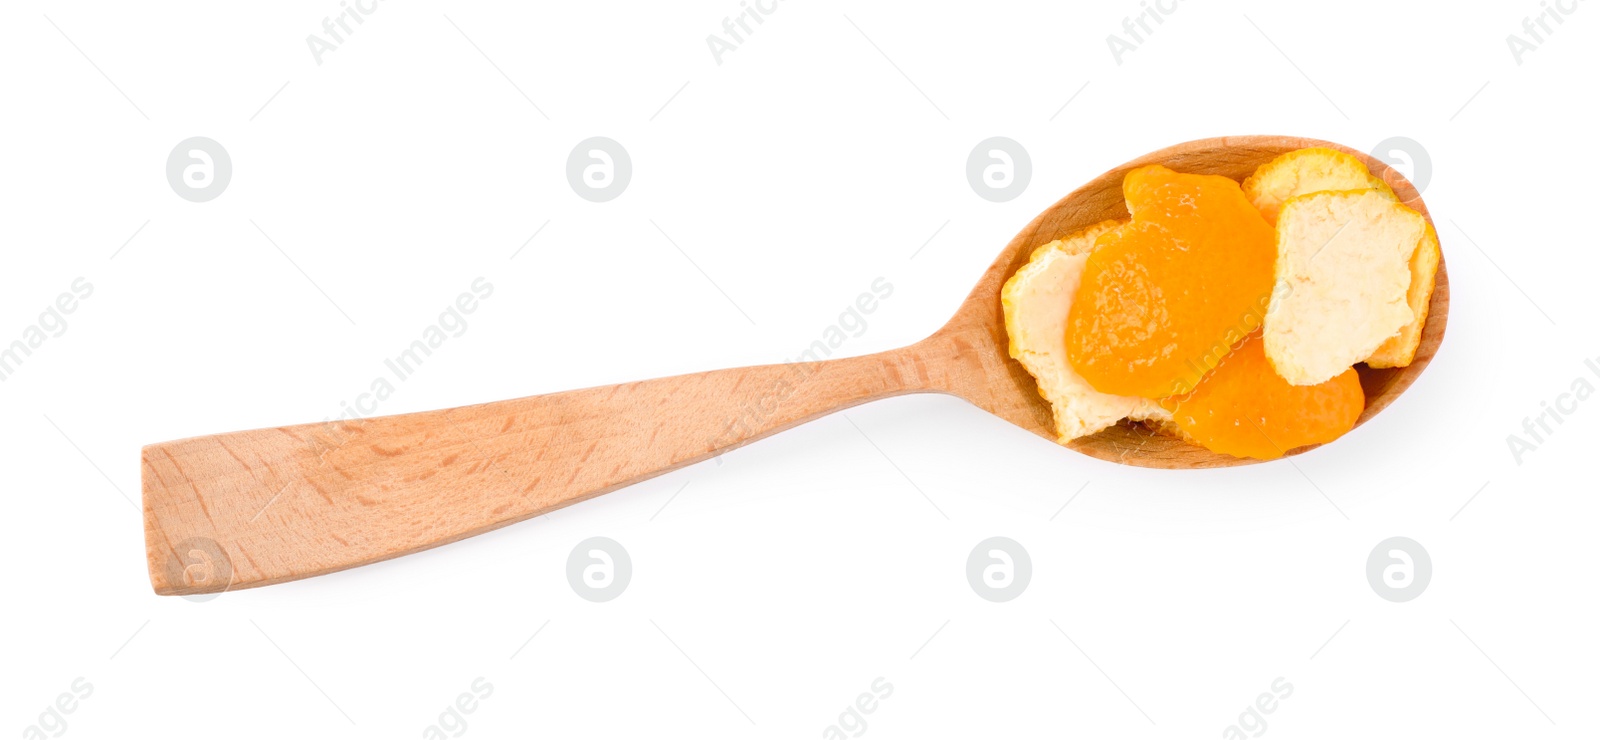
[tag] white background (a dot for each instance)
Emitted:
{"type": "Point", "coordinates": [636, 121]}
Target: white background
{"type": "Point", "coordinates": [771, 589]}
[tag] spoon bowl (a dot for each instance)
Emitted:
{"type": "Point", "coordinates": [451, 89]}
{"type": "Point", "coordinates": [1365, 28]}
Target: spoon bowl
{"type": "Point", "coordinates": [1234, 157]}
{"type": "Point", "coordinates": [258, 507]}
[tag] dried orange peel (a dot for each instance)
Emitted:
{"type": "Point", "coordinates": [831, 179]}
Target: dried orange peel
{"type": "Point", "coordinates": [1164, 298]}
{"type": "Point", "coordinates": [1319, 169]}
{"type": "Point", "coordinates": [1229, 315]}
{"type": "Point", "coordinates": [1245, 409]}
{"type": "Point", "coordinates": [1307, 171]}
{"type": "Point", "coordinates": [1344, 268]}
{"type": "Point", "coordinates": [1400, 349]}
{"type": "Point", "coordinates": [1035, 302]}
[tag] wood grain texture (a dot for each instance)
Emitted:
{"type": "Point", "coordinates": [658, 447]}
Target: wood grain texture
{"type": "Point", "coordinates": [253, 508]}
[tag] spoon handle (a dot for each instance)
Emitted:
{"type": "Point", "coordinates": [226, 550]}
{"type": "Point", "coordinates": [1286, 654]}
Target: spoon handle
{"type": "Point", "coordinates": [252, 508]}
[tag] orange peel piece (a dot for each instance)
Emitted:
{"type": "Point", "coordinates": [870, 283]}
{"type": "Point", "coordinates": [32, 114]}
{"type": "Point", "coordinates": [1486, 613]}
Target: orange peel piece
{"type": "Point", "coordinates": [1035, 302]}
{"type": "Point", "coordinates": [1400, 349]}
{"type": "Point", "coordinates": [1164, 298]}
{"type": "Point", "coordinates": [1316, 169]}
{"type": "Point", "coordinates": [1343, 273]}
{"type": "Point", "coordinates": [1305, 171]}
{"type": "Point", "coordinates": [1245, 409]}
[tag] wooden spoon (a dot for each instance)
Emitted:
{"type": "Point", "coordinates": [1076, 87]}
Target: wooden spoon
{"type": "Point", "coordinates": [253, 508]}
